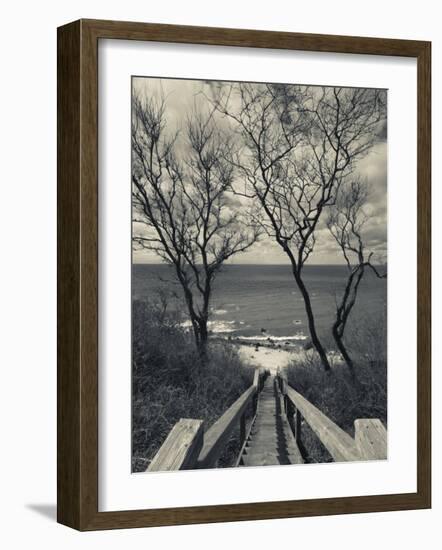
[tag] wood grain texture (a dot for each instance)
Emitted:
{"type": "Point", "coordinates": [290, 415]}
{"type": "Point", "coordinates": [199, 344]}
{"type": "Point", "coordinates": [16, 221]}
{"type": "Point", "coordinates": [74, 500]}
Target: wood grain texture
{"type": "Point", "coordinates": [213, 36]}
{"type": "Point", "coordinates": [424, 273]}
{"type": "Point", "coordinates": [270, 440]}
{"type": "Point", "coordinates": [78, 273]}
{"type": "Point", "coordinates": [77, 276]}
{"type": "Point", "coordinates": [181, 447]}
{"type": "Point", "coordinates": [68, 277]}
{"type": "Point", "coordinates": [218, 435]}
{"type": "Point", "coordinates": [337, 442]}
{"type": "Point", "coordinates": [371, 438]}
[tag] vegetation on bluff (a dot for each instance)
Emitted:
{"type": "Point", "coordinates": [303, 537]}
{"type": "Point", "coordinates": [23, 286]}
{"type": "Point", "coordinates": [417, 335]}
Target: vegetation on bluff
{"type": "Point", "coordinates": [170, 382]}
{"type": "Point", "coordinates": [337, 393]}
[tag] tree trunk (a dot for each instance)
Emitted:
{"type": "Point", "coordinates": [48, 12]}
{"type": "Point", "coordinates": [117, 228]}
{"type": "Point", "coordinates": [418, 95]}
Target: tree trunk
{"type": "Point", "coordinates": [196, 334]}
{"type": "Point", "coordinates": [347, 303]}
{"type": "Point", "coordinates": [201, 336]}
{"type": "Point", "coordinates": [199, 326]}
{"type": "Point", "coordinates": [343, 350]}
{"type": "Point", "coordinates": [311, 322]}
{"type": "Point", "coordinates": [204, 336]}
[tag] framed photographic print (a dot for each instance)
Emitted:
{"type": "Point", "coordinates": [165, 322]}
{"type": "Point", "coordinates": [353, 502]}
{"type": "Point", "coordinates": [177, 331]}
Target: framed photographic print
{"type": "Point", "coordinates": [243, 275]}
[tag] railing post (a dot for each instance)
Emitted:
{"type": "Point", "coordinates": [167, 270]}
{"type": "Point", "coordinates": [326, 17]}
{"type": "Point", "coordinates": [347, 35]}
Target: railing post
{"type": "Point", "coordinates": [290, 417]}
{"type": "Point", "coordinates": [256, 385]}
{"type": "Point", "coordinates": [371, 438]}
{"type": "Point", "coordinates": [282, 384]}
{"type": "Point", "coordinates": [262, 375]}
{"type": "Point", "coordinates": [338, 443]}
{"type": "Point", "coordinates": [242, 428]}
{"type": "Point", "coordinates": [181, 448]}
{"type": "Point", "coordinates": [297, 418]}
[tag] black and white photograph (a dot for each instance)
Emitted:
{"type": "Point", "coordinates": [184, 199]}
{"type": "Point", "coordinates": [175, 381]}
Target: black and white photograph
{"type": "Point", "coordinates": [259, 274]}
{"type": "Point", "coordinates": [218, 264]}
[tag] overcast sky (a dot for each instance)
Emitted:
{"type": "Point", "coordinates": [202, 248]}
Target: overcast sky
{"type": "Point", "coordinates": [182, 94]}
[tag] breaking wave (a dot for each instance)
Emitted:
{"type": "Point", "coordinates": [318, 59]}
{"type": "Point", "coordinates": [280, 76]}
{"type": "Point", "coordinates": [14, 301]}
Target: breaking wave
{"type": "Point", "coordinates": [299, 336]}
{"type": "Point", "coordinates": [214, 326]}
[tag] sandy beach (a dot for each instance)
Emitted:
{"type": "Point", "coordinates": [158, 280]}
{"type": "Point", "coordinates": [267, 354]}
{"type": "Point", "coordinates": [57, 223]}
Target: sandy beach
{"type": "Point", "coordinates": [270, 357]}
{"type": "Point", "coordinates": [266, 357]}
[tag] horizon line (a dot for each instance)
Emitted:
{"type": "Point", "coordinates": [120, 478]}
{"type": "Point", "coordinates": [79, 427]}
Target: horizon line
{"type": "Point", "coordinates": [255, 264]}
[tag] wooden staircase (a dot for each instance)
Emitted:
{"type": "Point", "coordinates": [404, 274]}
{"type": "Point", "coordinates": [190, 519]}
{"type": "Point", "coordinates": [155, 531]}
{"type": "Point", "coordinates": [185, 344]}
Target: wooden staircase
{"type": "Point", "coordinates": [278, 413]}
{"type": "Point", "coordinates": [270, 440]}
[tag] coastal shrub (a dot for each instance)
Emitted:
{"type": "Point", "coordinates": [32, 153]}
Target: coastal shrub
{"type": "Point", "coordinates": [169, 381]}
{"type": "Point", "coordinates": [367, 337]}
{"type": "Point", "coordinates": [336, 393]}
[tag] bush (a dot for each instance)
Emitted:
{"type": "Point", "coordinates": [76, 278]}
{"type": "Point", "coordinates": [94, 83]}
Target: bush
{"type": "Point", "coordinates": [336, 393]}
{"type": "Point", "coordinates": [169, 382]}
{"type": "Point", "coordinates": [367, 338]}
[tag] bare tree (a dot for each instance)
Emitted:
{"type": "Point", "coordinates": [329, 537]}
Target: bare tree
{"type": "Point", "coordinates": [346, 222]}
{"type": "Point", "coordinates": [181, 197]}
{"type": "Point", "coordinates": [299, 144]}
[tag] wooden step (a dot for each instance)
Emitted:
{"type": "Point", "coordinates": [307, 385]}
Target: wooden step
{"type": "Point", "coordinates": [271, 457]}
{"type": "Point", "coordinates": [263, 459]}
{"type": "Point", "coordinates": [270, 441]}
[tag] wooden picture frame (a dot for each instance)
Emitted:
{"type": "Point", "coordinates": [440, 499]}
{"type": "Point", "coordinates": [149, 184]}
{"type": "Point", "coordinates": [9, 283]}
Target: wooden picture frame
{"type": "Point", "coordinates": [78, 274]}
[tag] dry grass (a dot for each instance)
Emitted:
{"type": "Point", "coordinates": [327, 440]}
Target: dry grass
{"type": "Point", "coordinates": [169, 382]}
{"type": "Point", "coordinates": [336, 394]}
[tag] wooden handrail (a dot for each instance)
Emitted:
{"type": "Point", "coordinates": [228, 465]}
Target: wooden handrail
{"type": "Point", "coordinates": [219, 434]}
{"type": "Point", "coordinates": [370, 441]}
{"type": "Point", "coordinates": [371, 438]}
{"type": "Point", "coordinates": [216, 438]}
{"type": "Point", "coordinates": [181, 447]}
{"type": "Point", "coordinates": [187, 447]}
{"type": "Point", "coordinates": [256, 377]}
{"type": "Point", "coordinates": [338, 443]}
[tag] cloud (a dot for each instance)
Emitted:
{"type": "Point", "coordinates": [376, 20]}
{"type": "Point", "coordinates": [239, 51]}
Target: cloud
{"type": "Point", "coordinates": [182, 95]}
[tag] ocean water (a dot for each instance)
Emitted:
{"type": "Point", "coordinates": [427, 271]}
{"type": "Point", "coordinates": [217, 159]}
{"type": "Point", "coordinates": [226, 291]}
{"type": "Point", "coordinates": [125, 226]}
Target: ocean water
{"type": "Point", "coordinates": [263, 301]}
